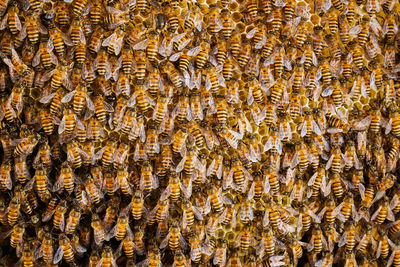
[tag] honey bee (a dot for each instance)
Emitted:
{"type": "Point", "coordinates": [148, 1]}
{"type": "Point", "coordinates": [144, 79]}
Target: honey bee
{"type": "Point", "coordinates": [27, 256]}
{"type": "Point", "coordinates": [174, 239]}
{"type": "Point", "coordinates": [220, 253]}
{"type": "Point", "coordinates": [16, 65]}
{"type": "Point", "coordinates": [17, 233]}
{"type": "Point", "coordinates": [6, 44]}
{"type": "Point", "coordinates": [123, 86]}
{"type": "Point", "coordinates": [56, 37]}
{"type": "Point", "coordinates": [45, 55]}
{"type": "Point", "coordinates": [74, 154]}
{"type": "Point", "coordinates": [73, 220]}
{"type": "Point", "coordinates": [76, 30]}
{"type": "Point", "coordinates": [238, 174]}
{"type": "Point", "coordinates": [173, 189]}
{"type": "Point", "coordinates": [20, 169]}
{"type": "Point", "coordinates": [393, 124]}
{"type": "Point", "coordinates": [121, 229]}
{"type": "Point", "coordinates": [64, 251]}
{"type": "Point", "coordinates": [137, 205]}
{"type": "Point", "coordinates": [47, 247]}
{"type": "Point", "coordinates": [94, 259]}
{"type": "Point", "coordinates": [5, 176]}
{"type": "Point", "coordinates": [58, 219]}
{"type": "Point", "coordinates": [43, 156]}
{"type": "Point", "coordinates": [110, 183]}
{"type": "Point", "coordinates": [214, 200]}
{"type": "Point", "coordinates": [62, 15]}
{"type": "Point", "coordinates": [66, 179]}
{"type": "Point", "coordinates": [107, 153]}
{"type": "Point", "coordinates": [160, 212]}
{"type": "Point", "coordinates": [78, 7]}
{"type": "Point", "coordinates": [138, 129]}
{"type": "Point", "coordinates": [119, 110]}
{"type": "Point", "coordinates": [244, 54]}
{"type": "Point", "coordinates": [148, 181]}
{"type": "Point", "coordinates": [95, 42]}
{"type": "Point", "coordinates": [26, 145]}
{"type": "Point", "coordinates": [127, 60]}
{"type": "Point", "coordinates": [98, 229]}
{"type": "Point", "coordinates": [110, 216]}
{"type": "Point", "coordinates": [383, 212]}
{"type": "Point", "coordinates": [122, 179]}
{"type": "Point", "coordinates": [128, 122]}
{"type": "Point", "coordinates": [92, 190]}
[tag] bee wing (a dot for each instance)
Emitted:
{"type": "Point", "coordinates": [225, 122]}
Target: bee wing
{"type": "Point", "coordinates": [109, 40]}
{"type": "Point", "coordinates": [197, 213]}
{"type": "Point", "coordinates": [6, 233]}
{"type": "Point", "coordinates": [4, 22]}
{"type": "Point", "coordinates": [376, 213]}
{"type": "Point", "coordinates": [181, 164]}
{"type": "Point", "coordinates": [393, 203]}
{"type": "Point", "coordinates": [250, 97]}
{"type": "Point", "coordinates": [17, 22]}
{"type": "Point", "coordinates": [164, 243]}
{"type": "Point", "coordinates": [251, 33]}
{"type": "Point", "coordinates": [110, 234]}
{"type": "Point", "coordinates": [99, 154]}
{"type": "Point", "coordinates": [228, 180]}
{"type": "Point", "coordinates": [59, 183]}
{"type": "Point", "coordinates": [36, 58]}
{"type": "Point", "coordinates": [268, 145]}
{"type": "Point", "coordinates": [388, 126]}
{"type": "Point", "coordinates": [329, 163]}
{"type": "Point", "coordinates": [280, 3]}
{"type": "Point", "coordinates": [326, 186]}
{"type": "Point", "coordinates": [378, 196]}
{"type": "Point", "coordinates": [343, 239]}
{"type": "Point", "coordinates": [118, 45]}
{"type": "Point", "coordinates": [316, 128]}
{"type": "Point", "coordinates": [390, 216]}
{"type": "Point", "coordinates": [233, 142]}
{"type": "Point", "coordinates": [361, 124]}
{"type": "Point", "coordinates": [108, 107]}
{"type": "Point", "coordinates": [303, 129]}
{"type": "Point", "coordinates": [295, 161]}
{"type": "Point", "coordinates": [184, 44]}
{"type": "Point", "coordinates": [194, 51]}
{"type": "Point", "coordinates": [197, 81]}
{"type": "Point", "coordinates": [162, 49]}
{"type": "Point", "coordinates": [255, 154]}
{"type": "Point", "coordinates": [79, 249]}
{"type": "Point", "coordinates": [199, 166]}
{"type": "Point", "coordinates": [354, 31]}
{"type": "Point", "coordinates": [79, 123]}
{"type": "Point", "coordinates": [388, 58]}
{"type": "Point", "coordinates": [68, 97]}
{"type": "Point", "coordinates": [312, 179]}
{"type": "Point", "coordinates": [327, 92]}
{"type": "Point", "coordinates": [277, 261]}
{"type": "Point", "coordinates": [90, 103]}
{"type": "Point", "coordinates": [210, 139]}
{"type": "Point", "coordinates": [62, 222]}
{"type": "Point", "coordinates": [58, 255]}
{"type": "Point", "coordinates": [61, 127]}
{"type": "Point", "coordinates": [175, 57]}
{"type": "Point", "coordinates": [251, 191]}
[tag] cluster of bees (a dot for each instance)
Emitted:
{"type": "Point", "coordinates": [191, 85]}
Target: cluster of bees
{"type": "Point", "coordinates": [206, 133]}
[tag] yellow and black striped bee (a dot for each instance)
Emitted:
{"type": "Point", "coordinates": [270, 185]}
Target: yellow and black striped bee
{"type": "Point", "coordinates": [78, 7]}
